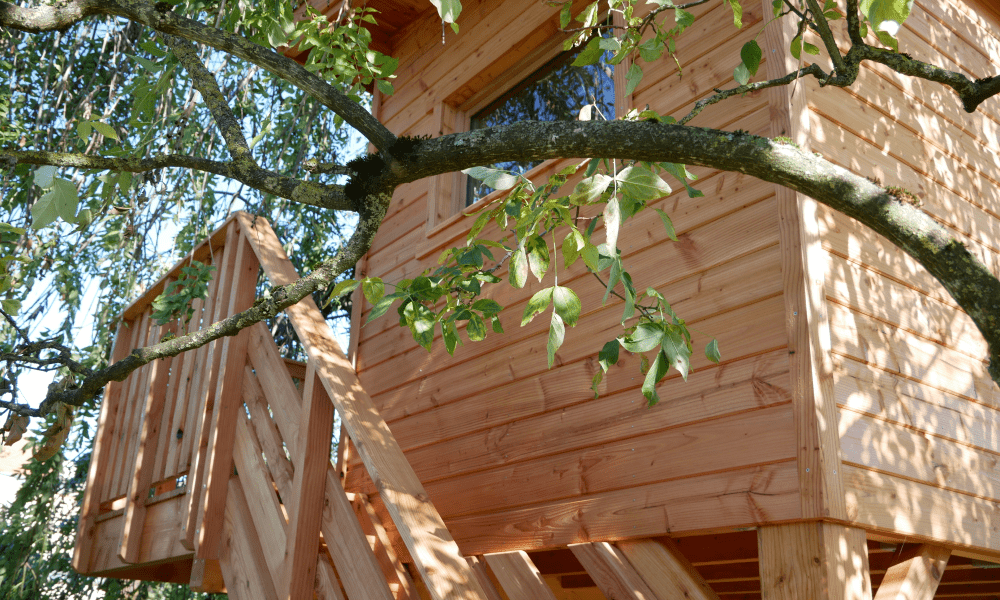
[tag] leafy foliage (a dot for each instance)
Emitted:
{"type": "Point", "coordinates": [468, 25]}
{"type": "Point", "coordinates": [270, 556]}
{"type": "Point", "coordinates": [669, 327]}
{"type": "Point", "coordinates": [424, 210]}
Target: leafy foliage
{"type": "Point", "coordinates": [178, 294]}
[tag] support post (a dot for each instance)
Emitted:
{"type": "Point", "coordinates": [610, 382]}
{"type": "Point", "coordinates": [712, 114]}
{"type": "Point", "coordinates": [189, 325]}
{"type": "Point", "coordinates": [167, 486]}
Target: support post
{"type": "Point", "coordinates": [820, 561]}
{"type": "Point", "coordinates": [916, 575]}
{"type": "Point", "coordinates": [518, 576]}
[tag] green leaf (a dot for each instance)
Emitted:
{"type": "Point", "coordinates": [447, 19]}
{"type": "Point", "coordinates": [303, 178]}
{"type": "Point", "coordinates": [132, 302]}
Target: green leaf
{"type": "Point", "coordinates": [570, 247]}
{"type": "Point", "coordinates": [608, 356]}
{"type": "Point", "coordinates": [83, 129]}
{"type": "Point", "coordinates": [106, 130]}
{"type": "Point", "coordinates": [590, 54]}
{"type": "Point", "coordinates": [538, 256]}
{"type": "Point", "coordinates": [646, 336]}
{"type": "Point", "coordinates": [539, 302]}
{"type": "Point", "coordinates": [590, 189]}
{"type": "Point", "coordinates": [146, 64]}
{"type": "Point", "coordinates": [652, 49]}
{"type": "Point", "coordinates": [44, 175]}
{"type": "Point", "coordinates": [751, 55]}
{"type": "Point", "coordinates": [565, 15]}
{"type": "Point", "coordinates": [381, 307]}
{"type": "Point", "coordinates": [595, 382]}
{"type": "Point", "coordinates": [683, 18]}
{"type": "Point", "coordinates": [567, 304]}
{"type": "Point", "coordinates": [423, 329]}
{"type": "Point", "coordinates": [450, 335]}
{"type": "Point", "coordinates": [657, 371]}
{"type": "Point", "coordinates": [343, 287]}
{"type": "Point", "coordinates": [589, 15]}
{"type": "Point", "coordinates": [518, 268]}
{"type": "Point", "coordinates": [591, 257]}
{"type": "Point", "coordinates": [886, 16]}
{"type": "Point", "coordinates": [486, 306]}
{"type": "Point", "coordinates": [384, 86]}
{"type": "Point", "coordinates": [10, 306]}
{"type": "Point", "coordinates": [811, 49]}
{"type": "Point", "coordinates": [373, 289]}
{"type": "Point", "coordinates": [677, 352]}
{"type": "Point", "coordinates": [712, 351]}
{"type": "Point", "coordinates": [476, 329]}
{"type": "Point", "coordinates": [741, 74]}
{"type": "Point", "coordinates": [796, 47]}
{"type": "Point", "coordinates": [737, 12]}
{"type": "Point", "coordinates": [632, 78]}
{"type": "Point", "coordinates": [495, 178]}
{"type": "Point", "coordinates": [641, 183]}
{"type": "Point", "coordinates": [667, 223]}
{"type": "Point", "coordinates": [60, 201]}
{"type": "Point", "coordinates": [448, 9]}
{"type": "Point", "coordinates": [557, 333]}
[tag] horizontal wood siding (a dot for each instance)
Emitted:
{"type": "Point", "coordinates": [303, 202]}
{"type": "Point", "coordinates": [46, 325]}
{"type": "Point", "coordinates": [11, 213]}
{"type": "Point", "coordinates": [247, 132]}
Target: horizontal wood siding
{"type": "Point", "coordinates": [918, 412]}
{"type": "Point", "coordinates": [499, 440]}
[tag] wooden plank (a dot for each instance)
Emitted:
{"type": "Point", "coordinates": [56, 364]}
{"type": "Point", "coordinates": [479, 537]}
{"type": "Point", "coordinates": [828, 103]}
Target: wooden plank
{"type": "Point", "coordinates": [666, 570]}
{"type": "Point", "coordinates": [228, 402]}
{"type": "Point", "coordinates": [265, 512]}
{"type": "Point", "coordinates": [158, 541]}
{"type": "Point", "coordinates": [122, 428]}
{"type": "Point", "coordinates": [172, 366]}
{"type": "Point", "coordinates": [242, 560]}
{"type": "Point", "coordinates": [612, 572]}
{"type": "Point", "coordinates": [133, 429]}
{"type": "Point", "coordinates": [305, 507]}
{"type": "Point", "coordinates": [731, 442]}
{"type": "Point", "coordinates": [145, 458]}
{"type": "Point", "coordinates": [486, 580]}
{"type": "Point", "coordinates": [204, 386]}
{"type": "Point", "coordinates": [730, 499]}
{"type": "Point", "coordinates": [97, 472]}
{"type": "Point", "coordinates": [267, 434]}
{"type": "Point", "coordinates": [407, 590]}
{"type": "Point", "coordinates": [813, 560]}
{"type": "Point", "coordinates": [897, 450]}
{"type": "Point", "coordinates": [206, 577]}
{"type": "Point", "coordinates": [891, 504]}
{"type": "Point", "coordinates": [518, 576]}
{"type": "Point", "coordinates": [327, 586]}
{"type": "Point", "coordinates": [803, 267]}
{"type": "Point", "coordinates": [916, 575]}
{"type": "Point", "coordinates": [359, 571]}
{"type": "Point", "coordinates": [279, 389]}
{"type": "Point", "coordinates": [421, 527]}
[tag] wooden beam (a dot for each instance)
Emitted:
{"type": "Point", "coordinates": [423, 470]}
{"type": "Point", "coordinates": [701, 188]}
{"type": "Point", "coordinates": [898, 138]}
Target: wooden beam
{"type": "Point", "coordinates": [482, 573]}
{"type": "Point", "coordinates": [352, 556]}
{"type": "Point", "coordinates": [206, 577]}
{"type": "Point", "coordinates": [145, 458]}
{"type": "Point", "coordinates": [916, 575]}
{"type": "Point", "coordinates": [434, 551]}
{"type": "Point", "coordinates": [327, 586]}
{"type": "Point", "coordinates": [228, 401]}
{"type": "Point", "coordinates": [612, 572]}
{"type": "Point", "coordinates": [102, 449]}
{"type": "Point", "coordinates": [241, 557]}
{"type": "Point", "coordinates": [820, 561]}
{"type": "Point", "coordinates": [518, 576]}
{"type": "Point", "coordinates": [203, 394]}
{"type": "Point", "coordinates": [305, 507]}
{"type": "Point", "coordinates": [666, 570]}
{"type": "Point", "coordinates": [407, 590]}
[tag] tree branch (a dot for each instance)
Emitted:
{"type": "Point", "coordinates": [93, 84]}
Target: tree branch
{"type": "Point", "coordinates": [62, 15]}
{"type": "Point", "coordinates": [297, 190]}
{"type": "Point", "coordinates": [721, 95]}
{"type": "Point", "coordinates": [969, 281]}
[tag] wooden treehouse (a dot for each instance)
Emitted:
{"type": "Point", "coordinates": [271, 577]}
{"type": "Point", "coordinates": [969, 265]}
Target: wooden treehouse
{"type": "Point", "coordinates": [846, 447]}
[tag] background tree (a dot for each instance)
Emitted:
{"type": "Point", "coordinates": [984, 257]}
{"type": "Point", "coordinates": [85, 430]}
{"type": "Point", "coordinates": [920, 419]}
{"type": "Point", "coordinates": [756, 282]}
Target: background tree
{"type": "Point", "coordinates": [130, 129]}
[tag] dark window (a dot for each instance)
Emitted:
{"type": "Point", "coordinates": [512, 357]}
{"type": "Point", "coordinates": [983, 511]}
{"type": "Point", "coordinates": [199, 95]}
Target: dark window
{"type": "Point", "coordinates": [555, 92]}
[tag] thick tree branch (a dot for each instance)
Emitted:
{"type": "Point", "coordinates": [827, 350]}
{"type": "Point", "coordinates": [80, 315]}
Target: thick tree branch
{"type": "Point", "coordinates": [297, 190]}
{"type": "Point", "coordinates": [64, 14]}
{"type": "Point", "coordinates": [969, 281]}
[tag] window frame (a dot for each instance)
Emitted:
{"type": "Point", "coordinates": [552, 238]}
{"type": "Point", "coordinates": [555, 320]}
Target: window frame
{"type": "Point", "coordinates": [447, 193]}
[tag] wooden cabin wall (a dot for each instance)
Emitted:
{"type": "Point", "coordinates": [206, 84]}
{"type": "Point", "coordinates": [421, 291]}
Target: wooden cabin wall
{"type": "Point", "coordinates": [515, 455]}
{"type": "Point", "coordinates": [919, 420]}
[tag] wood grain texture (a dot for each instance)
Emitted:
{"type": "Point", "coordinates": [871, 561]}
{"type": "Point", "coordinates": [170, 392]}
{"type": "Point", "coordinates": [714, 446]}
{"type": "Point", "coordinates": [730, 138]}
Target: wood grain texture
{"type": "Point", "coordinates": [821, 561]}
{"type": "Point", "coordinates": [518, 576]}
{"type": "Point", "coordinates": [666, 570]}
{"type": "Point", "coordinates": [241, 557]}
{"type": "Point", "coordinates": [916, 575]}
{"type": "Point", "coordinates": [228, 402]}
{"type": "Point", "coordinates": [305, 506]}
{"type": "Point", "coordinates": [612, 572]}
{"type": "Point", "coordinates": [406, 591]}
